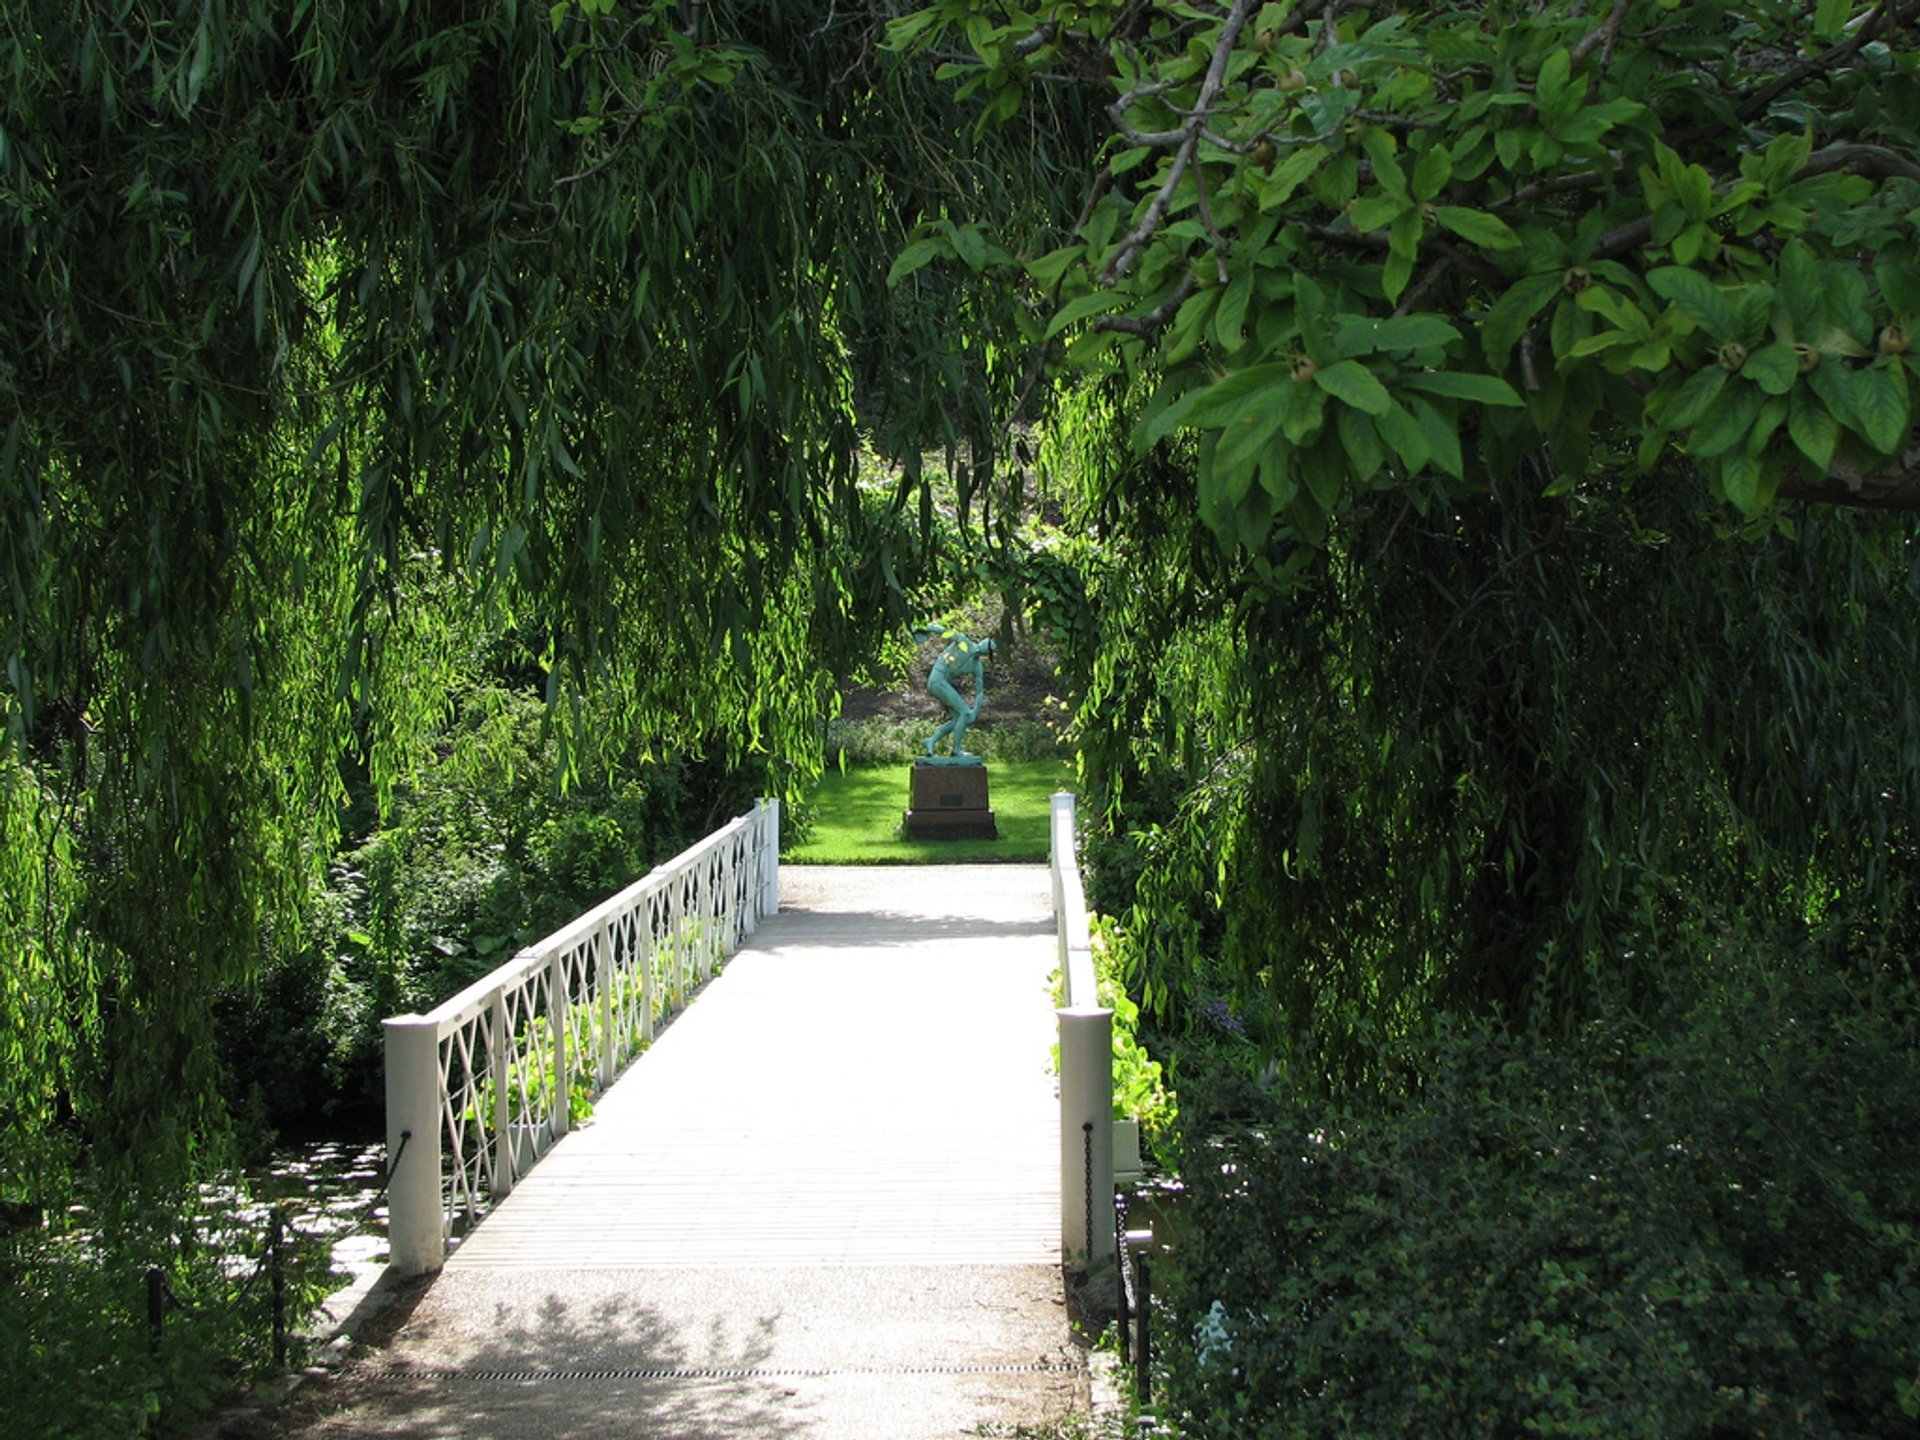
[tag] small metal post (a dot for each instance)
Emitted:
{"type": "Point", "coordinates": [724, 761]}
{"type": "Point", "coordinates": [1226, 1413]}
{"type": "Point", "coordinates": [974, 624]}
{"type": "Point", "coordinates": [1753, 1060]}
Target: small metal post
{"type": "Point", "coordinates": [156, 1309]}
{"type": "Point", "coordinates": [277, 1268]}
{"type": "Point", "coordinates": [1142, 1345]}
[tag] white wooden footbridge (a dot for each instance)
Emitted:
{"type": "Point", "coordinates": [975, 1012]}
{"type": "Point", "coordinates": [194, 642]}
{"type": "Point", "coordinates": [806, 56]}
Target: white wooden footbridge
{"type": "Point", "coordinates": [744, 1139]}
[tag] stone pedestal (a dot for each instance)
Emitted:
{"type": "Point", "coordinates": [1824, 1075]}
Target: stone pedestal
{"type": "Point", "coordinates": [949, 802]}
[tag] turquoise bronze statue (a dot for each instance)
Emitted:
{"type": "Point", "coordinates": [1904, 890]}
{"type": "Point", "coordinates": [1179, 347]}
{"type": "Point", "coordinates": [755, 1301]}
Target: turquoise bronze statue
{"type": "Point", "coordinates": [960, 661]}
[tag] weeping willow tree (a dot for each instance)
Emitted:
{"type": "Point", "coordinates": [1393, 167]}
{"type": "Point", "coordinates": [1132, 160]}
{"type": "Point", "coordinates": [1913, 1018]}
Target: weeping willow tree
{"type": "Point", "coordinates": [329, 333]}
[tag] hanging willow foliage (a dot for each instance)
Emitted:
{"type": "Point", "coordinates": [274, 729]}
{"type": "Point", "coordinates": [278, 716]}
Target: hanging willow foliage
{"type": "Point", "coordinates": [329, 332]}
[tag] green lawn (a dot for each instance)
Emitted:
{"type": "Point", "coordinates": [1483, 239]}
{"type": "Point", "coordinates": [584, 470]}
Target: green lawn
{"type": "Point", "coordinates": [856, 818]}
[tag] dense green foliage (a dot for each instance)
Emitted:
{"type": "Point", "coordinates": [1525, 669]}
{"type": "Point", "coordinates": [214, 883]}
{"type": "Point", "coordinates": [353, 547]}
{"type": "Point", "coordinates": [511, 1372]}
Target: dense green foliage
{"type": "Point", "coordinates": [1347, 247]}
{"type": "Point", "coordinates": [1399, 604]}
{"type": "Point", "coordinates": [331, 333]}
{"type": "Point", "coordinates": [1700, 1229]}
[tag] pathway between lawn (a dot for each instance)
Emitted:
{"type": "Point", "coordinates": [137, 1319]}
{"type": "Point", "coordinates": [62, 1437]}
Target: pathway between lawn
{"type": "Point", "coordinates": [824, 1204]}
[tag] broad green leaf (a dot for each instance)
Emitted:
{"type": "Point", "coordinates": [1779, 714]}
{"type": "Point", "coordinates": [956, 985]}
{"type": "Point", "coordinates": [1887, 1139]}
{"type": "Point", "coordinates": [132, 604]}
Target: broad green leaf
{"type": "Point", "coordinates": [1459, 385]}
{"type": "Point", "coordinates": [1693, 399]}
{"type": "Point", "coordinates": [1324, 467]}
{"type": "Point", "coordinates": [1288, 174]}
{"type": "Point", "coordinates": [1219, 400]}
{"type": "Point", "coordinates": [1376, 212]}
{"type": "Point", "coordinates": [1881, 405]}
{"type": "Point", "coordinates": [1047, 269]}
{"type": "Point", "coordinates": [1306, 407]}
{"type": "Point", "coordinates": [1773, 368]}
{"type": "Point", "coordinates": [1442, 431]}
{"type": "Point", "coordinates": [1229, 321]}
{"type": "Point", "coordinates": [1403, 433]}
{"type": "Point", "coordinates": [1510, 315]}
{"type": "Point", "coordinates": [1100, 302]}
{"type": "Point", "coordinates": [1351, 383]}
{"type": "Point", "coordinates": [1813, 429]}
{"type": "Point", "coordinates": [1726, 423]}
{"type": "Point", "coordinates": [971, 246]}
{"type": "Point", "coordinates": [1380, 148]}
{"type": "Point", "coordinates": [1357, 335]}
{"type": "Point", "coordinates": [1361, 439]}
{"type": "Point", "coordinates": [1740, 479]}
{"type": "Point", "coordinates": [1432, 172]}
{"type": "Point", "coordinates": [1551, 86]}
{"type": "Point", "coordinates": [1244, 432]}
{"type": "Point", "coordinates": [1477, 226]}
{"type": "Point", "coordinates": [1698, 298]}
{"type": "Point", "coordinates": [1830, 18]}
{"type": "Point", "coordinates": [914, 256]}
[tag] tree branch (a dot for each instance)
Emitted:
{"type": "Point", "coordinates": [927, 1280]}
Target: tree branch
{"type": "Point", "coordinates": [1149, 325]}
{"type": "Point", "coordinates": [1605, 33]}
{"type": "Point", "coordinates": [1150, 223]}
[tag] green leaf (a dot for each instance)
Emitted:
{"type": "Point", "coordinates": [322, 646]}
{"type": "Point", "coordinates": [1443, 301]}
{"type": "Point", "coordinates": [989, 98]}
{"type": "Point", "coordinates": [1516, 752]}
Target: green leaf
{"type": "Point", "coordinates": [1361, 438]}
{"type": "Point", "coordinates": [1477, 227]}
{"type": "Point", "coordinates": [1442, 432]}
{"type": "Point", "coordinates": [971, 246]}
{"type": "Point", "coordinates": [1288, 174]}
{"type": "Point", "coordinates": [1432, 172]}
{"type": "Point", "coordinates": [1510, 315]}
{"type": "Point", "coordinates": [1830, 18]}
{"type": "Point", "coordinates": [1725, 424]}
{"type": "Point", "coordinates": [1692, 400]}
{"type": "Point", "coordinates": [919, 253]}
{"type": "Point", "coordinates": [1047, 269]}
{"type": "Point", "coordinates": [1358, 334]}
{"type": "Point", "coordinates": [1772, 367]}
{"type": "Point", "coordinates": [1880, 404]}
{"type": "Point", "coordinates": [1376, 212]}
{"type": "Point", "coordinates": [1698, 298]}
{"type": "Point", "coordinates": [1229, 321]}
{"type": "Point", "coordinates": [1100, 302]}
{"type": "Point", "coordinates": [1813, 429]}
{"type": "Point", "coordinates": [1551, 86]}
{"type": "Point", "coordinates": [1403, 433]}
{"type": "Point", "coordinates": [1740, 479]}
{"type": "Point", "coordinates": [1459, 385]}
{"type": "Point", "coordinates": [1351, 383]}
{"type": "Point", "coordinates": [1244, 433]}
{"type": "Point", "coordinates": [1325, 470]}
{"type": "Point", "coordinates": [1218, 400]}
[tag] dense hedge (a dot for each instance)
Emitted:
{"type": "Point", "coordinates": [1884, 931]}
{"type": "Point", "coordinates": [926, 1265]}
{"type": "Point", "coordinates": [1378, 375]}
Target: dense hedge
{"type": "Point", "coordinates": [1708, 1227]}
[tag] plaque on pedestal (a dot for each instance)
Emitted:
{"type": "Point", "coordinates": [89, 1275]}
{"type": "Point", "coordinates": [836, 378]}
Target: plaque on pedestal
{"type": "Point", "coordinates": [949, 802]}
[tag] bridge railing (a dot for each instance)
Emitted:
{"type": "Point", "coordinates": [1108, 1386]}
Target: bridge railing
{"type": "Point", "coordinates": [484, 1084]}
{"type": "Point", "coordinates": [1086, 1063]}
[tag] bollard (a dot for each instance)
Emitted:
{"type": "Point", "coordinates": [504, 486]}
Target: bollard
{"type": "Point", "coordinates": [416, 1211]}
{"type": "Point", "coordinates": [1086, 1134]}
{"type": "Point", "coordinates": [277, 1266]}
{"type": "Point", "coordinates": [156, 1309]}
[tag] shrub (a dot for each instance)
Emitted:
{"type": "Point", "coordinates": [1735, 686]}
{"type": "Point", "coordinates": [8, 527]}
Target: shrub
{"type": "Point", "coordinates": [1704, 1229]}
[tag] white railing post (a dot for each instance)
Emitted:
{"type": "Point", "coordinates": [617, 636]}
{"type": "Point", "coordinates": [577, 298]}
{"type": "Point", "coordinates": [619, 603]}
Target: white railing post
{"type": "Point", "coordinates": [500, 1074]}
{"type": "Point", "coordinates": [604, 986]}
{"type": "Point", "coordinates": [559, 1007]}
{"type": "Point", "coordinates": [416, 1208]}
{"type": "Point", "coordinates": [770, 857]}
